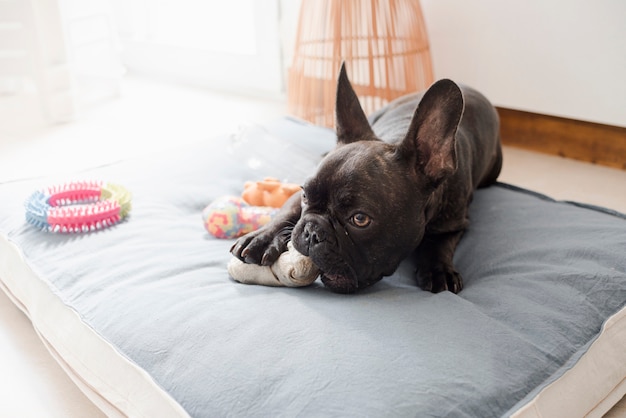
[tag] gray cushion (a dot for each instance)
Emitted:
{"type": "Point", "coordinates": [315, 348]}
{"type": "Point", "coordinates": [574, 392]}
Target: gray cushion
{"type": "Point", "coordinates": [541, 277]}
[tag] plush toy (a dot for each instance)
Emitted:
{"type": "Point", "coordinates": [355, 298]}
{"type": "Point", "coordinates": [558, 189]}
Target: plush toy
{"type": "Point", "coordinates": [268, 192]}
{"type": "Point", "coordinates": [232, 217]}
{"type": "Point", "coordinates": [292, 269]}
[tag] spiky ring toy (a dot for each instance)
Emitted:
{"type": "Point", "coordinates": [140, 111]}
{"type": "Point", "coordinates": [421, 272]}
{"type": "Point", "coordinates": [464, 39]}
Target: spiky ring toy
{"type": "Point", "coordinates": [81, 206]}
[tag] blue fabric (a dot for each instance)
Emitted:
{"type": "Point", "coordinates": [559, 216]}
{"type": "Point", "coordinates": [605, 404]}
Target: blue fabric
{"type": "Point", "coordinates": [541, 277]}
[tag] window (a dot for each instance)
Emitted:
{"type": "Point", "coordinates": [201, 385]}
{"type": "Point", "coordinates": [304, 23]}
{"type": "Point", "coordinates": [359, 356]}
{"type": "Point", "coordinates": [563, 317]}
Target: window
{"type": "Point", "coordinates": [232, 45]}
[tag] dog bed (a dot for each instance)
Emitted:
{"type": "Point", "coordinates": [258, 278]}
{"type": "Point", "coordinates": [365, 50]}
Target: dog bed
{"type": "Point", "coordinates": [146, 321]}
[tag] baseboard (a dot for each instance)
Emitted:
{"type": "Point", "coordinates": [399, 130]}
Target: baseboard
{"type": "Point", "coordinates": [590, 142]}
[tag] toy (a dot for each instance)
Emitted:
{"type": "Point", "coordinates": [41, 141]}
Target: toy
{"type": "Point", "coordinates": [292, 269]}
{"type": "Point", "coordinates": [232, 217]}
{"type": "Point", "coordinates": [268, 192]}
{"type": "Point", "coordinates": [81, 206]}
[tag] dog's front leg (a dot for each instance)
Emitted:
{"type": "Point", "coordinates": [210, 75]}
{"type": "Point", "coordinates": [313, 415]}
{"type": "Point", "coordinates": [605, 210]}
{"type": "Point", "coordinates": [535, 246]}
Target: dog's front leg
{"type": "Point", "coordinates": [435, 270]}
{"type": "Point", "coordinates": [266, 244]}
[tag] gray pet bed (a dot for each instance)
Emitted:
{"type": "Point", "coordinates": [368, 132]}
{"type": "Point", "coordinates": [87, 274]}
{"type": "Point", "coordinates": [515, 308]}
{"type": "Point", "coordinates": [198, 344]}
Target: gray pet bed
{"type": "Point", "coordinates": [145, 319]}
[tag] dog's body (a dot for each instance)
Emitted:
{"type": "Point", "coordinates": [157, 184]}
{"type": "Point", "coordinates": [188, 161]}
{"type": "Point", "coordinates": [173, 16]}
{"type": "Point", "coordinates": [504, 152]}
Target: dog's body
{"type": "Point", "coordinates": [373, 203]}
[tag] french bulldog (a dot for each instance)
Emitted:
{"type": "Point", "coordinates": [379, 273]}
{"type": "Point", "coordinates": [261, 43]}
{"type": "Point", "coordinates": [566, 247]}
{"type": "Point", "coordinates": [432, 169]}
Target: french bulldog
{"type": "Point", "coordinates": [395, 186]}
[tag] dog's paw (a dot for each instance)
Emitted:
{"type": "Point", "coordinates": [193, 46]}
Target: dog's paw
{"type": "Point", "coordinates": [440, 279]}
{"type": "Point", "coordinates": [260, 247]}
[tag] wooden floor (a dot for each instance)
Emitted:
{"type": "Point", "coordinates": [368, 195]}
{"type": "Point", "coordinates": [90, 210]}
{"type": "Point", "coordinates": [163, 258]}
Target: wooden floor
{"type": "Point", "coordinates": [151, 116]}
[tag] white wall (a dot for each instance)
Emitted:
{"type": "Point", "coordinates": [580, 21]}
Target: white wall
{"type": "Point", "coordinates": [559, 57]}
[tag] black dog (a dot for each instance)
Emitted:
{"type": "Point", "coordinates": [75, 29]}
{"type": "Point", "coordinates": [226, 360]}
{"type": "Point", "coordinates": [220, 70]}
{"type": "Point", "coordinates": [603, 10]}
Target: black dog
{"type": "Point", "coordinates": [372, 202]}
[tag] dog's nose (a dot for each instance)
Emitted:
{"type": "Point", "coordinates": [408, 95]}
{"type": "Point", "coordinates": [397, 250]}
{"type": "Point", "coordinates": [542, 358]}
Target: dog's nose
{"type": "Point", "coordinates": [311, 236]}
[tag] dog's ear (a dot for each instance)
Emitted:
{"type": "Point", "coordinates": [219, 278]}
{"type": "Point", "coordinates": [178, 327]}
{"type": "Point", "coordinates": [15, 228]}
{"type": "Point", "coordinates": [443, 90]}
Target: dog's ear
{"type": "Point", "coordinates": [352, 124]}
{"type": "Point", "coordinates": [430, 141]}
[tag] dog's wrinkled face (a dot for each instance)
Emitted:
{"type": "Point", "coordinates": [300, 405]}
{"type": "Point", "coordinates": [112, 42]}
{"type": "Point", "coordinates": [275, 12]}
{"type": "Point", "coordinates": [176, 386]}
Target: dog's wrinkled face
{"type": "Point", "coordinates": [356, 224]}
{"type": "Point", "coordinates": [364, 210]}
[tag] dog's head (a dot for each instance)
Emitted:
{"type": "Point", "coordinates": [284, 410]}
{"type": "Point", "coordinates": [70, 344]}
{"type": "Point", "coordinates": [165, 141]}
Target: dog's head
{"type": "Point", "coordinates": [366, 207]}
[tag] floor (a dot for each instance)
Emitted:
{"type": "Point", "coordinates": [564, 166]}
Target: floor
{"type": "Point", "coordinates": [153, 116]}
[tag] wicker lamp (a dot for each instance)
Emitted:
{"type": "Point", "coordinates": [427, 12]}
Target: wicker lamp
{"type": "Point", "coordinates": [383, 42]}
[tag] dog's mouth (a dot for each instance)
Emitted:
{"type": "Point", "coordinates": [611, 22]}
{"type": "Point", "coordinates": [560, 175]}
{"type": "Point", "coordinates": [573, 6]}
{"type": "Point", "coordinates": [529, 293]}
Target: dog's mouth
{"type": "Point", "coordinates": [336, 274]}
{"type": "Point", "coordinates": [340, 283]}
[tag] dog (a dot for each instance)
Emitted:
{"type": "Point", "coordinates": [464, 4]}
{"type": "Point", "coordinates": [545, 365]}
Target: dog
{"type": "Point", "coordinates": [397, 185]}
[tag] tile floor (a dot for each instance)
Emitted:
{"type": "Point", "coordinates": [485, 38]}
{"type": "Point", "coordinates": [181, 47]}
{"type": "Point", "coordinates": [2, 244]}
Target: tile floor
{"type": "Point", "coordinates": [152, 116]}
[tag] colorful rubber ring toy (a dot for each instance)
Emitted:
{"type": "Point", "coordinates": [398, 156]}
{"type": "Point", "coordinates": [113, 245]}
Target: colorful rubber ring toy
{"type": "Point", "coordinates": [80, 206]}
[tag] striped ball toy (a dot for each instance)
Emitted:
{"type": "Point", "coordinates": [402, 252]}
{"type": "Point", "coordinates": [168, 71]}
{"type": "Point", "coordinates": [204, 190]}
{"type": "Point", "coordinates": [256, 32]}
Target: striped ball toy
{"type": "Point", "coordinates": [231, 217]}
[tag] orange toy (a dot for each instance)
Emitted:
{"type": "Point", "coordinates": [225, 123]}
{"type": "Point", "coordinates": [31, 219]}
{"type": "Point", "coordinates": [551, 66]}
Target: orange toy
{"type": "Point", "coordinates": [268, 192]}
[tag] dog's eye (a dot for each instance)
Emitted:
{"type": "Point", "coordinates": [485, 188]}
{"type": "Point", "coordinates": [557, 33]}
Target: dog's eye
{"type": "Point", "coordinates": [303, 198]}
{"type": "Point", "coordinates": [360, 220]}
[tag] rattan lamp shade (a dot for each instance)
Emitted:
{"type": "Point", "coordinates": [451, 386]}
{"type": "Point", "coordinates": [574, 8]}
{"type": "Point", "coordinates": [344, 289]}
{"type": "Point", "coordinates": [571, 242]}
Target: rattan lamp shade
{"type": "Point", "coordinates": [383, 42]}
